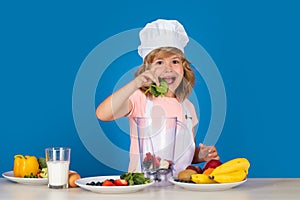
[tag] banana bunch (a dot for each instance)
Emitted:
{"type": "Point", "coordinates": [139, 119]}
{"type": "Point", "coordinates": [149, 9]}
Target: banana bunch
{"type": "Point", "coordinates": [234, 170]}
{"type": "Point", "coordinates": [202, 179]}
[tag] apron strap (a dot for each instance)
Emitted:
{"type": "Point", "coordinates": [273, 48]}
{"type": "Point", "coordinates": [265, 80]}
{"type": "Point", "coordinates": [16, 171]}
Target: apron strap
{"type": "Point", "coordinates": [149, 105]}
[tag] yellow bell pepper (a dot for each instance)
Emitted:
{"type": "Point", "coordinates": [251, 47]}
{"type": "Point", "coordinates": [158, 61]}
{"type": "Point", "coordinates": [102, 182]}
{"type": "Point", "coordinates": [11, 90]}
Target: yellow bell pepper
{"type": "Point", "coordinates": [25, 166]}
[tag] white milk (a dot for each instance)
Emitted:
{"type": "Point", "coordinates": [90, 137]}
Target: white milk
{"type": "Point", "coordinates": [58, 172]}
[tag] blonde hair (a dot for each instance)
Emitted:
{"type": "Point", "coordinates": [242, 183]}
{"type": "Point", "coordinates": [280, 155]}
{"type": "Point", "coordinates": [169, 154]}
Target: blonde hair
{"type": "Point", "coordinates": [185, 87]}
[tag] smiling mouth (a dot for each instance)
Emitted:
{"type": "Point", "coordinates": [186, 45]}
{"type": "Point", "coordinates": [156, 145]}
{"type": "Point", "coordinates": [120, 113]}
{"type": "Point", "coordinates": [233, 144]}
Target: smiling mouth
{"type": "Point", "coordinates": [169, 80]}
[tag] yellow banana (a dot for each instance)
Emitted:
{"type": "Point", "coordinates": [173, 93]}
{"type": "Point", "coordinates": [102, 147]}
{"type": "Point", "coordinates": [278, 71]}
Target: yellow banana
{"type": "Point", "coordinates": [202, 178]}
{"type": "Point", "coordinates": [233, 165]}
{"type": "Point", "coordinates": [235, 176]}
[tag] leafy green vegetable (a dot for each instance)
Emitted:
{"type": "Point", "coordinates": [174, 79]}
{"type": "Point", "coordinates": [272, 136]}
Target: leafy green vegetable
{"type": "Point", "coordinates": [135, 178]}
{"type": "Point", "coordinates": [160, 90]}
{"type": "Point", "coordinates": [42, 163]}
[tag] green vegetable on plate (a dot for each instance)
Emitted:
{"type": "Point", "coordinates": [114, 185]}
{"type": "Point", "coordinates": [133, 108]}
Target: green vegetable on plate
{"type": "Point", "coordinates": [42, 163]}
{"type": "Point", "coordinates": [135, 178]}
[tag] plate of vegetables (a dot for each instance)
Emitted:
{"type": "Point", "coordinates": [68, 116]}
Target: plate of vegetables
{"type": "Point", "coordinates": [28, 181]}
{"type": "Point", "coordinates": [125, 183]}
{"type": "Point", "coordinates": [28, 170]}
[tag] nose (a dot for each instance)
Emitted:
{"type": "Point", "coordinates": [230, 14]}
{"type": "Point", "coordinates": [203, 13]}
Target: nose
{"type": "Point", "coordinates": [168, 68]}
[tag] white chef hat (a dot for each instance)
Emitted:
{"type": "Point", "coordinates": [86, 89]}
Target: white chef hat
{"type": "Point", "coordinates": [162, 33]}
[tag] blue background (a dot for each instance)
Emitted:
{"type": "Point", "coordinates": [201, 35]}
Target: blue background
{"type": "Point", "coordinates": [255, 45]}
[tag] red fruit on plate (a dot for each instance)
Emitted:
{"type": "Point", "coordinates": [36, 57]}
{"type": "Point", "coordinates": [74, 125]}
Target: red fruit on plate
{"type": "Point", "coordinates": [121, 182]}
{"type": "Point", "coordinates": [196, 168]}
{"type": "Point", "coordinates": [108, 183]}
{"type": "Point", "coordinates": [212, 164]}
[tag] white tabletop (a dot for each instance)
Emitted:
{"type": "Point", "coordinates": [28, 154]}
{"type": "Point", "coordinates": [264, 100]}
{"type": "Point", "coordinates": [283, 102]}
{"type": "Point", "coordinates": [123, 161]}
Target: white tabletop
{"type": "Point", "coordinates": [253, 189]}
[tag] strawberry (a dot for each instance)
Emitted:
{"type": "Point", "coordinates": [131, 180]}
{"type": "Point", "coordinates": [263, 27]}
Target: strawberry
{"type": "Point", "coordinates": [108, 183]}
{"type": "Point", "coordinates": [121, 182]}
{"type": "Point", "coordinates": [148, 157]}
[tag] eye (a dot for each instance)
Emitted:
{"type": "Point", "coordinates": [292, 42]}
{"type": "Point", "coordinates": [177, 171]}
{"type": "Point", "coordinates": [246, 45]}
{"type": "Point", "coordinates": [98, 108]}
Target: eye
{"type": "Point", "coordinates": [175, 61]}
{"type": "Point", "coordinates": [159, 62]}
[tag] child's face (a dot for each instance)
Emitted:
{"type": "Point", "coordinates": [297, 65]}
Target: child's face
{"type": "Point", "coordinates": [173, 72]}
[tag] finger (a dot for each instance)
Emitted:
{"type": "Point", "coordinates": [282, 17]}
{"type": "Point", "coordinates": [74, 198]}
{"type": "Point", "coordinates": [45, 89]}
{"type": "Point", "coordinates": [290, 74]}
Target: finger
{"type": "Point", "coordinates": [158, 70]}
{"type": "Point", "coordinates": [211, 149]}
{"type": "Point", "coordinates": [213, 155]}
{"type": "Point", "coordinates": [153, 77]}
{"type": "Point", "coordinates": [216, 158]}
{"type": "Point", "coordinates": [201, 145]}
{"type": "Point", "coordinates": [145, 81]}
{"type": "Point", "coordinates": [149, 75]}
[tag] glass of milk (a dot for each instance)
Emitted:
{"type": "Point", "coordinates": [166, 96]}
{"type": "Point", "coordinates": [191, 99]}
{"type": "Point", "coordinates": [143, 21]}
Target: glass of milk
{"type": "Point", "coordinates": [58, 162]}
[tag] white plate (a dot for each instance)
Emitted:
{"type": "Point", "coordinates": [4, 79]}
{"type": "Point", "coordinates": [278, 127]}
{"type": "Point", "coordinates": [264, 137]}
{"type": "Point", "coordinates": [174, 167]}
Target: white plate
{"type": "Point", "coordinates": [108, 189]}
{"type": "Point", "coordinates": [28, 181]}
{"type": "Point", "coordinates": [206, 187]}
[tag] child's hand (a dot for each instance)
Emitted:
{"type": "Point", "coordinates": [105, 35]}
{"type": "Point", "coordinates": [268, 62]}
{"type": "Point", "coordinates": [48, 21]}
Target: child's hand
{"type": "Point", "coordinates": [207, 153]}
{"type": "Point", "coordinates": [149, 76]}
